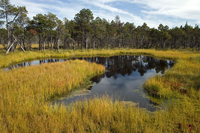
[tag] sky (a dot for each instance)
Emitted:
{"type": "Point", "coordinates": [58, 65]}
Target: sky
{"type": "Point", "coordinates": [153, 12]}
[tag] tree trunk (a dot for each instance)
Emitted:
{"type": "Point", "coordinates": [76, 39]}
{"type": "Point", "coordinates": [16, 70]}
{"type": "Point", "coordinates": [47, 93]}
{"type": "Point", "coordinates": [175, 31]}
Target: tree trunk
{"type": "Point", "coordinates": [24, 44]}
{"type": "Point", "coordinates": [44, 44]}
{"type": "Point", "coordinates": [29, 45]}
{"type": "Point", "coordinates": [11, 46]}
{"type": "Point", "coordinates": [58, 43]}
{"type": "Point", "coordinates": [119, 43]}
{"type": "Point", "coordinates": [163, 45]}
{"type": "Point", "coordinates": [94, 45]}
{"type": "Point", "coordinates": [8, 30]}
{"type": "Point", "coordinates": [123, 43]}
{"type": "Point", "coordinates": [58, 47]}
{"type": "Point", "coordinates": [86, 43]}
{"type": "Point", "coordinates": [21, 47]}
{"type": "Point", "coordinates": [82, 44]}
{"type": "Point", "coordinates": [51, 43]}
{"type": "Point", "coordinates": [9, 40]}
{"type": "Point", "coordinates": [193, 44]}
{"type": "Point", "coordinates": [141, 43]}
{"type": "Point", "coordinates": [39, 42]}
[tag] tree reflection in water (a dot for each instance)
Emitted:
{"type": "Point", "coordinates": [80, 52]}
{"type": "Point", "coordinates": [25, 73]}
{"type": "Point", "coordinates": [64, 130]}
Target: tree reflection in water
{"type": "Point", "coordinates": [125, 65]}
{"type": "Point", "coordinates": [124, 73]}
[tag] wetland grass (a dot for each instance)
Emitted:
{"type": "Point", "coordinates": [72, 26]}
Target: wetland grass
{"type": "Point", "coordinates": [19, 56]}
{"type": "Point", "coordinates": [25, 93]}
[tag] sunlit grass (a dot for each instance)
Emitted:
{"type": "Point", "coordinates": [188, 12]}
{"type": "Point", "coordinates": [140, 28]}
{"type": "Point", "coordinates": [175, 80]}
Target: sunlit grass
{"type": "Point", "coordinates": [25, 94]}
{"type": "Point", "coordinates": [18, 56]}
{"type": "Point", "coordinates": [156, 87]}
{"type": "Point", "coordinates": [1, 46]}
{"type": "Point", "coordinates": [184, 75]}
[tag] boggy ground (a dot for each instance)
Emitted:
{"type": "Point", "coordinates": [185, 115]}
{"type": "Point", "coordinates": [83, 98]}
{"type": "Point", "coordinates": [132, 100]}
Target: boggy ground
{"type": "Point", "coordinates": [25, 93]}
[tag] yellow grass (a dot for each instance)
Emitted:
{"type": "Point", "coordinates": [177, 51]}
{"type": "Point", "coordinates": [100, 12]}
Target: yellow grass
{"type": "Point", "coordinates": [25, 94]}
{"type": "Point", "coordinates": [1, 46]}
{"type": "Point", "coordinates": [16, 57]}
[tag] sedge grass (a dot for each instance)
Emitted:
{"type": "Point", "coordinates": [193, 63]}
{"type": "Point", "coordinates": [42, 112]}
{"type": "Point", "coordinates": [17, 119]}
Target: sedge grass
{"type": "Point", "coordinates": [18, 56]}
{"type": "Point", "coordinates": [25, 92]}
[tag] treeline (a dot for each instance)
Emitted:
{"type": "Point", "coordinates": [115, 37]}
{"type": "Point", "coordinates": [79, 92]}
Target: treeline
{"type": "Point", "coordinates": [85, 31]}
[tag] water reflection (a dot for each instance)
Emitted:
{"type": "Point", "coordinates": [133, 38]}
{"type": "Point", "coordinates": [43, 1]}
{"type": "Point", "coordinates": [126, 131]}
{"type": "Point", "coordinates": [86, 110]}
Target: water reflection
{"type": "Point", "coordinates": [35, 62]}
{"type": "Point", "coordinates": [115, 65]}
{"type": "Point", "coordinates": [124, 75]}
{"type": "Point", "coordinates": [127, 64]}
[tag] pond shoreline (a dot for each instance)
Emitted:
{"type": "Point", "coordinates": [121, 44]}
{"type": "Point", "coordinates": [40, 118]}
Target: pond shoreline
{"type": "Point", "coordinates": [124, 74]}
{"type": "Point", "coordinates": [15, 58]}
{"type": "Point", "coordinates": [105, 115]}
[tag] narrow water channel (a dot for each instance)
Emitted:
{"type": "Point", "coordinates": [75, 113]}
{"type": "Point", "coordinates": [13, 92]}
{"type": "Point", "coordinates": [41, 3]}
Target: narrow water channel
{"type": "Point", "coordinates": [124, 75]}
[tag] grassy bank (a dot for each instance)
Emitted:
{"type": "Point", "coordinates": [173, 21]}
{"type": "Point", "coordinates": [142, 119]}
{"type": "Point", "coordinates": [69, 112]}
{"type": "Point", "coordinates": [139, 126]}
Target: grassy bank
{"type": "Point", "coordinates": [181, 79]}
{"type": "Point", "coordinates": [12, 58]}
{"type": "Point", "coordinates": [25, 92]}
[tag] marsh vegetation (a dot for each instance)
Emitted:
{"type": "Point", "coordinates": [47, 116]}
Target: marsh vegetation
{"type": "Point", "coordinates": [26, 91]}
{"type": "Point", "coordinates": [122, 80]}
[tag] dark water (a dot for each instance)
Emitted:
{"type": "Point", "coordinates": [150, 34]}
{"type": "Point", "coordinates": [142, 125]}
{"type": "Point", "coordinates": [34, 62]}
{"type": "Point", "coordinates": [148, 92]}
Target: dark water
{"type": "Point", "coordinates": [124, 75]}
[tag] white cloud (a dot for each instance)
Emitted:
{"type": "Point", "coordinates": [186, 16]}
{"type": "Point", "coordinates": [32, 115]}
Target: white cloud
{"type": "Point", "coordinates": [168, 12]}
{"type": "Point", "coordinates": [32, 7]}
{"type": "Point", "coordinates": [57, 7]}
{"type": "Point", "coordinates": [183, 9]}
{"type": "Point", "coordinates": [113, 11]}
{"type": "Point", "coordinates": [154, 11]}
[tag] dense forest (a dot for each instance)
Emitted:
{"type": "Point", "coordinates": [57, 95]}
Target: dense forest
{"type": "Point", "coordinates": [86, 32]}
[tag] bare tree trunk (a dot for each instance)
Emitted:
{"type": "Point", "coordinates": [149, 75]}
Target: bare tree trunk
{"type": "Point", "coordinates": [8, 30]}
{"type": "Point", "coordinates": [21, 47]}
{"type": "Point", "coordinates": [24, 40]}
{"type": "Point", "coordinates": [24, 44]}
{"type": "Point", "coordinates": [11, 46]}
